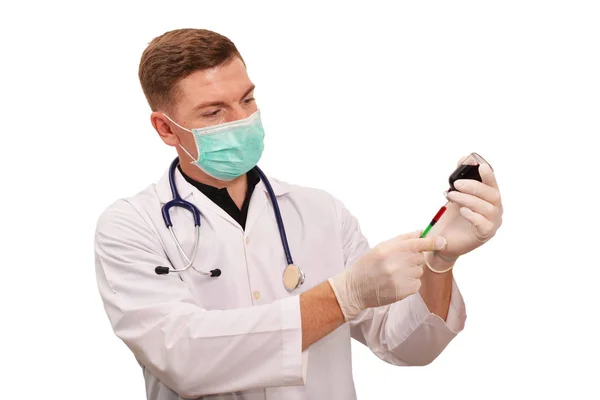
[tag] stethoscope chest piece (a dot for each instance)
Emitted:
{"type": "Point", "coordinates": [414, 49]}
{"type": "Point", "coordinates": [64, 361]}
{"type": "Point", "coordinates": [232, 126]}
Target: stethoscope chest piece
{"type": "Point", "coordinates": [293, 277]}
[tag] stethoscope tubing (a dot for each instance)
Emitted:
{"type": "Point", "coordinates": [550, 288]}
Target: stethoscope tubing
{"type": "Point", "coordinates": [177, 201]}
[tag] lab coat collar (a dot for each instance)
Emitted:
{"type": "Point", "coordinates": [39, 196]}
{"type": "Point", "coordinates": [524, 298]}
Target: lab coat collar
{"type": "Point", "coordinates": [185, 189]}
{"type": "Point", "coordinates": [190, 193]}
{"type": "Point", "coordinates": [163, 187]}
{"type": "Point", "coordinates": [279, 188]}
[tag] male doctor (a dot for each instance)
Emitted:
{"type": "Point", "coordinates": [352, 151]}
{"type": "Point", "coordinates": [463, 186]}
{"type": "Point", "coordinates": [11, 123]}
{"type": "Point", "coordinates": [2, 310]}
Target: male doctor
{"type": "Point", "coordinates": [243, 335]}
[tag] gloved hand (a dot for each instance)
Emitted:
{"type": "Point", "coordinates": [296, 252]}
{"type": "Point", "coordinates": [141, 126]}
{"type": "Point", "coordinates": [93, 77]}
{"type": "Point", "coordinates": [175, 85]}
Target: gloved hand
{"type": "Point", "coordinates": [472, 217]}
{"type": "Point", "coordinates": [387, 273]}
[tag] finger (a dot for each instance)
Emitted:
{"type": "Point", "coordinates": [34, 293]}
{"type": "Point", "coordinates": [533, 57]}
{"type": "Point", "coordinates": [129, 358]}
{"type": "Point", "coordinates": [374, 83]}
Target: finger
{"type": "Point", "coordinates": [462, 160]}
{"type": "Point", "coordinates": [391, 244]}
{"type": "Point", "coordinates": [416, 272]}
{"type": "Point", "coordinates": [487, 175]}
{"type": "Point", "coordinates": [482, 227]}
{"type": "Point", "coordinates": [473, 203]}
{"type": "Point", "coordinates": [411, 235]}
{"type": "Point", "coordinates": [479, 189]}
{"type": "Point", "coordinates": [405, 236]}
{"type": "Point", "coordinates": [412, 286]}
{"type": "Point", "coordinates": [432, 243]}
{"type": "Point", "coordinates": [416, 258]}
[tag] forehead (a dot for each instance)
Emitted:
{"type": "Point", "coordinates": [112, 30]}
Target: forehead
{"type": "Point", "coordinates": [222, 83]}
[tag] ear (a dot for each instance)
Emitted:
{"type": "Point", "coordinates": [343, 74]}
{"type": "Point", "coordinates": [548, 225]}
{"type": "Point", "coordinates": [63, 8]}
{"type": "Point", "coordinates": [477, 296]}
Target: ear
{"type": "Point", "coordinates": [163, 126]}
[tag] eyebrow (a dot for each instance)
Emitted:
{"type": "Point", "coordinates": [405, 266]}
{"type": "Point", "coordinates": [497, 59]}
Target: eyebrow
{"type": "Point", "coordinates": [221, 103]}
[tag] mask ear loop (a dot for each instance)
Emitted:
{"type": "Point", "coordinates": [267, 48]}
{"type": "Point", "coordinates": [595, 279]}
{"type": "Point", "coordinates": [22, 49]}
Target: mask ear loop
{"type": "Point", "coordinates": [183, 148]}
{"type": "Point", "coordinates": [188, 153]}
{"type": "Point", "coordinates": [185, 129]}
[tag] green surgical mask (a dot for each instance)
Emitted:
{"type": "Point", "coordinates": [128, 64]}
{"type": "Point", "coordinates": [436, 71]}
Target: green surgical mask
{"type": "Point", "coordinates": [227, 151]}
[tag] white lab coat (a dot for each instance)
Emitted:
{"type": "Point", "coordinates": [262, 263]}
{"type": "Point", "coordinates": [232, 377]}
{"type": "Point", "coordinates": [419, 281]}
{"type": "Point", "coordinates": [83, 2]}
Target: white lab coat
{"type": "Point", "coordinates": [238, 336]}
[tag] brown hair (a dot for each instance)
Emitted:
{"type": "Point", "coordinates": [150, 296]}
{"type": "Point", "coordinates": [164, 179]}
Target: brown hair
{"type": "Point", "coordinates": [176, 54]}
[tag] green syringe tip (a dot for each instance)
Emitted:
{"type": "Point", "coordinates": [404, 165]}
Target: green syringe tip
{"type": "Point", "coordinates": [426, 231]}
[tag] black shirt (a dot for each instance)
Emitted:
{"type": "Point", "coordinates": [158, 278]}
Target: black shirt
{"type": "Point", "coordinates": [221, 196]}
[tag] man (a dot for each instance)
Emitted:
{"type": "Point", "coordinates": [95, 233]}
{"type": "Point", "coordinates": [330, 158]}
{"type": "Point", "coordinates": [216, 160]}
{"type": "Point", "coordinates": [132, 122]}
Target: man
{"type": "Point", "coordinates": [241, 334]}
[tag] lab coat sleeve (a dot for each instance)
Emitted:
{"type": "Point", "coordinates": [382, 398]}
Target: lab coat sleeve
{"type": "Point", "coordinates": [193, 351]}
{"type": "Point", "coordinates": [406, 332]}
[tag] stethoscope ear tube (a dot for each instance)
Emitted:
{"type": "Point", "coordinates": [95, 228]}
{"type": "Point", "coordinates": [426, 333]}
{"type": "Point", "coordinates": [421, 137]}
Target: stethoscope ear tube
{"type": "Point", "coordinates": [165, 270]}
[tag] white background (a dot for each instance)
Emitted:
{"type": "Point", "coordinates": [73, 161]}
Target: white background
{"type": "Point", "coordinates": [374, 102]}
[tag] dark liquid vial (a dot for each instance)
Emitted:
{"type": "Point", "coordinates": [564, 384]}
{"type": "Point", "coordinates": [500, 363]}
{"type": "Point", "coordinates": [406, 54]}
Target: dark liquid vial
{"type": "Point", "coordinates": [464, 172]}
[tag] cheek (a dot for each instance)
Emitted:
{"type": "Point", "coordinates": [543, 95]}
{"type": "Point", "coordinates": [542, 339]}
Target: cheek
{"type": "Point", "coordinates": [188, 142]}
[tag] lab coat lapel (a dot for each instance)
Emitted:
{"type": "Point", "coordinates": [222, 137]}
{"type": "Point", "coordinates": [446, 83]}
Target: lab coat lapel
{"type": "Point", "coordinates": [258, 203]}
{"type": "Point", "coordinates": [260, 200]}
{"type": "Point", "coordinates": [163, 188]}
{"type": "Point", "coordinates": [190, 193]}
{"type": "Point", "coordinates": [205, 204]}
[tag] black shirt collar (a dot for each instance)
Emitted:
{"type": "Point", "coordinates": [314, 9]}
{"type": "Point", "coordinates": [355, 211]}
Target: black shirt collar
{"type": "Point", "coordinates": [221, 196]}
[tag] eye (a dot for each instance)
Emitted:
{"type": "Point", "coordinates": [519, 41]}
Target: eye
{"type": "Point", "coordinates": [249, 100]}
{"type": "Point", "coordinates": [212, 114]}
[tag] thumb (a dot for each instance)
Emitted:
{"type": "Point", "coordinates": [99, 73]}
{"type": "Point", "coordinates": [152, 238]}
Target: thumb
{"type": "Point", "coordinates": [432, 243]}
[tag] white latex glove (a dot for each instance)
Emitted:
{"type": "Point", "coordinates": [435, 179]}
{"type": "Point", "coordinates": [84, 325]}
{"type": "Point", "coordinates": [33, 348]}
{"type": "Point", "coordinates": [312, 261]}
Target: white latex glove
{"type": "Point", "coordinates": [472, 217]}
{"type": "Point", "coordinates": [386, 274]}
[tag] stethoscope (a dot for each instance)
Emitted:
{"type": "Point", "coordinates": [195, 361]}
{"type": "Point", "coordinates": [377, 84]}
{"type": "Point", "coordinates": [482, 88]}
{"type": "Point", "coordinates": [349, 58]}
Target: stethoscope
{"type": "Point", "coordinates": [293, 276]}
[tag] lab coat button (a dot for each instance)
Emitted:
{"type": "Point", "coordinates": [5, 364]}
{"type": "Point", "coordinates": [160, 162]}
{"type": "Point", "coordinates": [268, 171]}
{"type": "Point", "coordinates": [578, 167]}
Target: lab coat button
{"type": "Point", "coordinates": [247, 239]}
{"type": "Point", "coordinates": [256, 295]}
